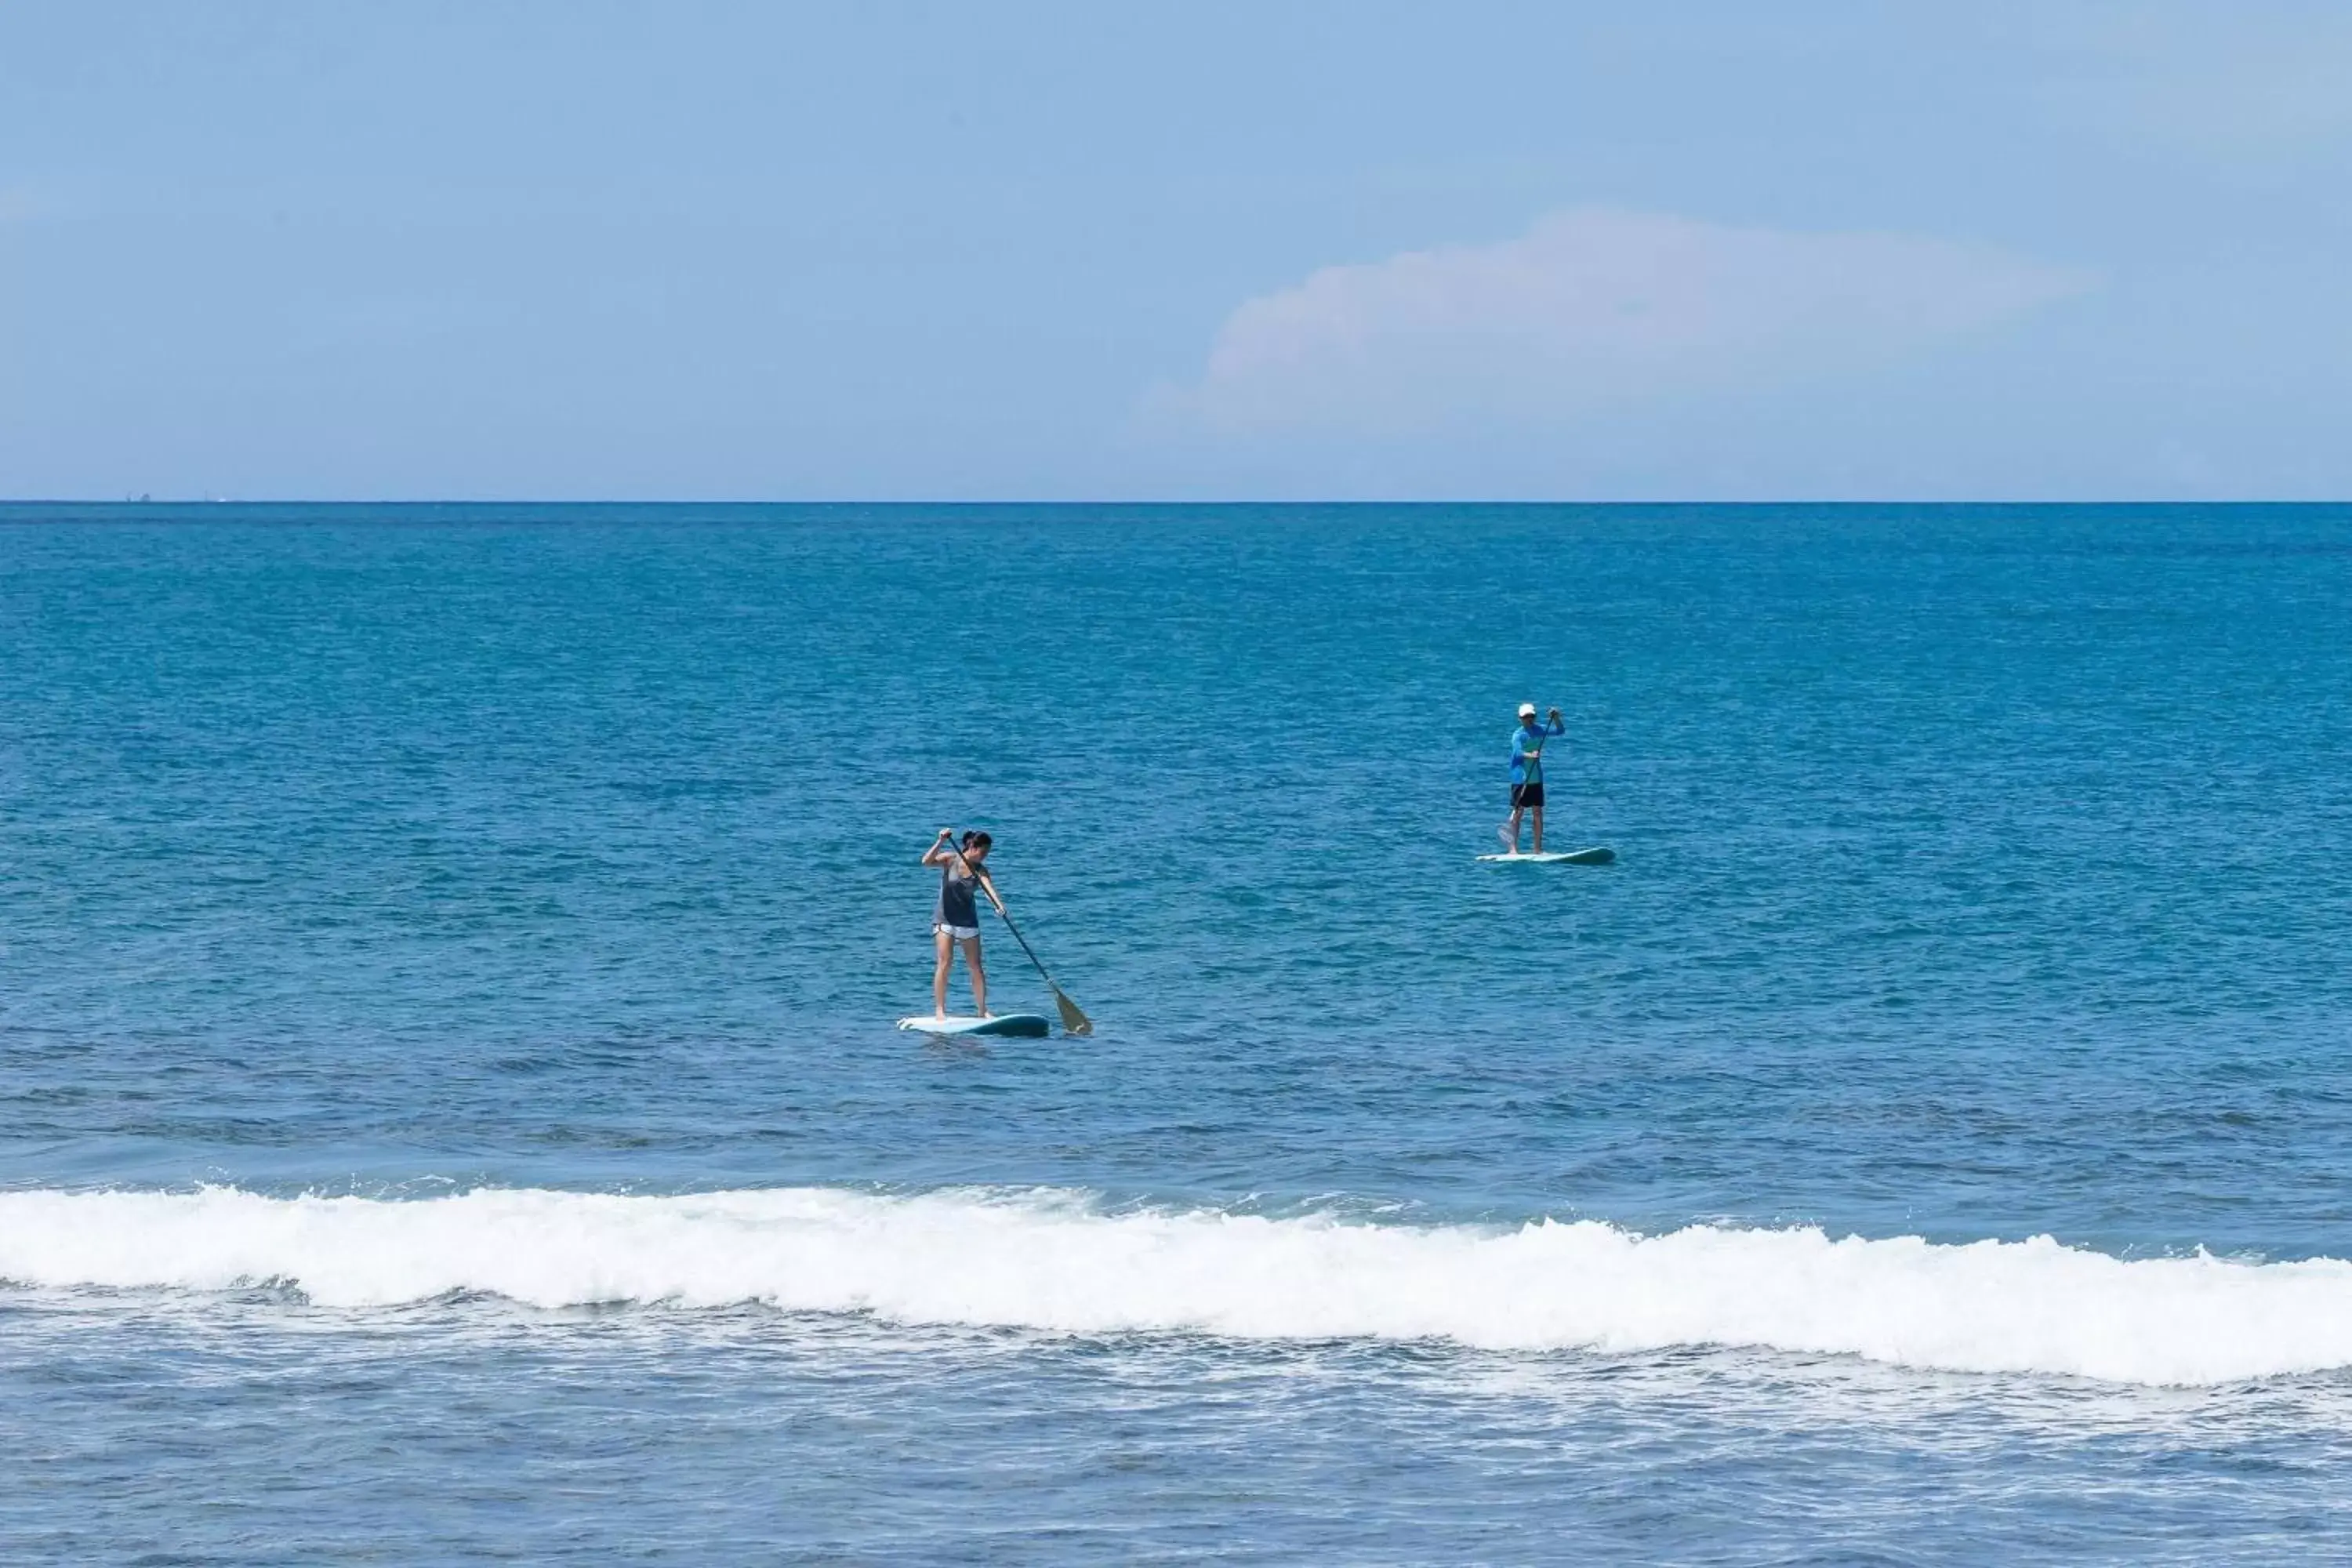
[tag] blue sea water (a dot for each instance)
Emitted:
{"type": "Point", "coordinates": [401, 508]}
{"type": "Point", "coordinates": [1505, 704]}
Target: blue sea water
{"type": "Point", "coordinates": [449, 1108]}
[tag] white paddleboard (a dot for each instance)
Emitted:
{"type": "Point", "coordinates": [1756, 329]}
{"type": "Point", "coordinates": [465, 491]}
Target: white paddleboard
{"type": "Point", "coordinates": [1599, 855]}
{"type": "Point", "coordinates": [1032, 1024]}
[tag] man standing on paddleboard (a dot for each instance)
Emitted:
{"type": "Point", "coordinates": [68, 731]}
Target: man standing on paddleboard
{"type": "Point", "coordinates": [1527, 775]}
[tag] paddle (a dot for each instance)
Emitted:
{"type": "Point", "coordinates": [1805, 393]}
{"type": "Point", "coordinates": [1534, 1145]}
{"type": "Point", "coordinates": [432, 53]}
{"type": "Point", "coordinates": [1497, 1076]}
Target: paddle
{"type": "Point", "coordinates": [1074, 1022]}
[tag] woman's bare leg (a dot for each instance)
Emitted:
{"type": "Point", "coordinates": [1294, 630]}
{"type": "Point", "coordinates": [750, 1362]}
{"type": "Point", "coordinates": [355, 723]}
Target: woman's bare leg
{"type": "Point", "coordinates": [973, 966]}
{"type": "Point", "coordinates": [946, 951]}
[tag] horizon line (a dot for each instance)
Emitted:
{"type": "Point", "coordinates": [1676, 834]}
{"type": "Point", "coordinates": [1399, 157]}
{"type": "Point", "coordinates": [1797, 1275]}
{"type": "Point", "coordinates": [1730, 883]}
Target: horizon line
{"type": "Point", "coordinates": [188, 502]}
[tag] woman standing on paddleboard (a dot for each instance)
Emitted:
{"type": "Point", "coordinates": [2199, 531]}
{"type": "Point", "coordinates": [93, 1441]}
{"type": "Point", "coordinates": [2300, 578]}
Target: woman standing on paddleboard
{"type": "Point", "coordinates": [962, 870]}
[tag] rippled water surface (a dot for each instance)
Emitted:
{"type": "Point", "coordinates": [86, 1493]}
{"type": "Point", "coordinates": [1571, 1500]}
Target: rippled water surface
{"type": "Point", "coordinates": [385, 893]}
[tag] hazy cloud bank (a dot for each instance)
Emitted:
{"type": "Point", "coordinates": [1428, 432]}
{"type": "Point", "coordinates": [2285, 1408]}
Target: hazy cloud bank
{"type": "Point", "coordinates": [1593, 308]}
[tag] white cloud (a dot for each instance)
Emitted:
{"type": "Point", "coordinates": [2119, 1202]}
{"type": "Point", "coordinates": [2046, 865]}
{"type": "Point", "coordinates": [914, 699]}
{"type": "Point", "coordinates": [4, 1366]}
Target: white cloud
{"type": "Point", "coordinates": [1592, 309]}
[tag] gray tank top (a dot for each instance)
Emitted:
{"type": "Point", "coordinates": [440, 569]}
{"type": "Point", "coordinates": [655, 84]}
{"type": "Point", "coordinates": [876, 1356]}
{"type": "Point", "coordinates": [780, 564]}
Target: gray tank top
{"type": "Point", "coordinates": [957, 905]}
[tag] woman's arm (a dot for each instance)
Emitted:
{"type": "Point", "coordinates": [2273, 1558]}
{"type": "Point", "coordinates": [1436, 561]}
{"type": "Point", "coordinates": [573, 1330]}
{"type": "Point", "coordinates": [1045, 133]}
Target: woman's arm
{"type": "Point", "coordinates": [988, 885]}
{"type": "Point", "coordinates": [938, 854]}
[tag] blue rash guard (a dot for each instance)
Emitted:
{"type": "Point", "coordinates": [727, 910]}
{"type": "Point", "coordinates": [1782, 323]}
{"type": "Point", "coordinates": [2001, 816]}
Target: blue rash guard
{"type": "Point", "coordinates": [1527, 748]}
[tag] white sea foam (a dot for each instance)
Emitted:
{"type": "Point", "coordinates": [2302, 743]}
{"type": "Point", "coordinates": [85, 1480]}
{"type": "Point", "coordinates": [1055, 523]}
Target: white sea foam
{"type": "Point", "coordinates": [1048, 1261]}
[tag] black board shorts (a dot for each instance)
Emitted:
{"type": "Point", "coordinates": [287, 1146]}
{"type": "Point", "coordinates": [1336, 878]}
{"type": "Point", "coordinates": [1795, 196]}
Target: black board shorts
{"type": "Point", "coordinates": [1526, 795]}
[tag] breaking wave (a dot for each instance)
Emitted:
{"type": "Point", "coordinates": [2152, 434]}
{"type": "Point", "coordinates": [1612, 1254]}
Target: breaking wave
{"type": "Point", "coordinates": [1050, 1261]}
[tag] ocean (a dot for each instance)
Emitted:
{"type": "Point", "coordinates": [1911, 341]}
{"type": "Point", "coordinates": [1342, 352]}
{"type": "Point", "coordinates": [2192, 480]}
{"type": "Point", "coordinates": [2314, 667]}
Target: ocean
{"type": "Point", "coordinates": [450, 1109]}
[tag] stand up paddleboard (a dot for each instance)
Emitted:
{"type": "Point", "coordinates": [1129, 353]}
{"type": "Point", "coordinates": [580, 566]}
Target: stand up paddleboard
{"type": "Point", "coordinates": [1033, 1025]}
{"type": "Point", "coordinates": [1599, 855]}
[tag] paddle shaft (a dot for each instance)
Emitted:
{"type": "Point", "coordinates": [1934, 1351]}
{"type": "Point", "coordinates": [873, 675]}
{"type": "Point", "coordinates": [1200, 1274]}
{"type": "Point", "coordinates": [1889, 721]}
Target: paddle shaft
{"type": "Point", "coordinates": [1541, 736]}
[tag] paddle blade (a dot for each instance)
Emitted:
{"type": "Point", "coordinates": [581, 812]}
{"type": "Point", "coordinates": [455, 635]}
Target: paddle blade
{"type": "Point", "coordinates": [1072, 1021]}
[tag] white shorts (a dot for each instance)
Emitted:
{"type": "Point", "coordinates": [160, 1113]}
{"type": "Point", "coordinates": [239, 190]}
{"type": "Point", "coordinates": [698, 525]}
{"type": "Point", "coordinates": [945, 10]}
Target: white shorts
{"type": "Point", "coordinates": [960, 933]}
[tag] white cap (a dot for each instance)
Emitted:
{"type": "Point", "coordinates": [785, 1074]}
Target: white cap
{"type": "Point", "coordinates": [1526, 710]}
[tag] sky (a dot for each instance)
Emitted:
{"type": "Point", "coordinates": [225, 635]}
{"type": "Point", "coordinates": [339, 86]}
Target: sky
{"type": "Point", "coordinates": [1702, 250]}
